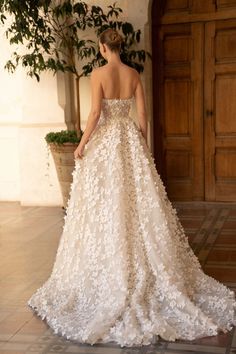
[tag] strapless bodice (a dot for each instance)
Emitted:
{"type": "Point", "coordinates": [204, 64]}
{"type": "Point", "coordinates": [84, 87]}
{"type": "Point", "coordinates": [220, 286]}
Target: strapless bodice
{"type": "Point", "coordinates": [116, 107]}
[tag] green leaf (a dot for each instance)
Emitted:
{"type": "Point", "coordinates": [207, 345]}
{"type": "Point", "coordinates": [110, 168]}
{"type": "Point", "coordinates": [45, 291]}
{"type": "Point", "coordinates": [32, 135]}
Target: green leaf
{"type": "Point", "coordinates": [53, 34]}
{"type": "Point", "coordinates": [63, 136]}
{"type": "Point", "coordinates": [127, 28]}
{"type": "Point", "coordinates": [80, 8]}
{"type": "Point", "coordinates": [138, 35]}
{"type": "Point", "coordinates": [37, 76]}
{"type": "Point", "coordinates": [97, 10]}
{"type": "Point", "coordinates": [3, 18]}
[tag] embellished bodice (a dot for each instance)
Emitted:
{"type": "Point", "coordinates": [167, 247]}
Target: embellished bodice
{"type": "Point", "coordinates": [115, 108]}
{"type": "Point", "coordinates": [115, 115]}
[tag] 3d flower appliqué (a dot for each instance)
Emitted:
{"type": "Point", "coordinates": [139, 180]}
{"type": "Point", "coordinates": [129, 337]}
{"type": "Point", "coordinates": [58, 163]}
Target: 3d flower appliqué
{"type": "Point", "coordinates": [124, 270]}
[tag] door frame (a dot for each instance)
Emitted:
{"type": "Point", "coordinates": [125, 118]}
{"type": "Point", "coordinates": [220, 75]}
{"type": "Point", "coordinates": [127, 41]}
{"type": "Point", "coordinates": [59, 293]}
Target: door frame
{"type": "Point", "coordinates": [156, 15]}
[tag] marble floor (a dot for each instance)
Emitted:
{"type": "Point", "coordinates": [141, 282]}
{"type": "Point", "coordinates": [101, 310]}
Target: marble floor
{"type": "Point", "coordinates": [28, 241]}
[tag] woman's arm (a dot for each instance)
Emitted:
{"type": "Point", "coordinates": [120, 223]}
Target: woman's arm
{"type": "Point", "coordinates": [141, 108]}
{"type": "Point", "coordinates": [94, 114]}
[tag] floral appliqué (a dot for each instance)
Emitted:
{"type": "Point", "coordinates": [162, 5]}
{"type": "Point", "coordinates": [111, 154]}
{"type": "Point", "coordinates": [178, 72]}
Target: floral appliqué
{"type": "Point", "coordinates": [124, 271]}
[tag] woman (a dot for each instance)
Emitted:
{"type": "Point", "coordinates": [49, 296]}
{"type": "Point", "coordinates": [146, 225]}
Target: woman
{"type": "Point", "coordinates": [114, 80]}
{"type": "Point", "coordinates": [124, 271]}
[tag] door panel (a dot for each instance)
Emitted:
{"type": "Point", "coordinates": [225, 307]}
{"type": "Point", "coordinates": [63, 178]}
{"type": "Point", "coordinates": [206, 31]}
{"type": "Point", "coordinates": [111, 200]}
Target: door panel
{"type": "Point", "coordinates": [202, 6]}
{"type": "Point", "coordinates": [225, 122]}
{"type": "Point", "coordinates": [222, 4]}
{"type": "Point", "coordinates": [191, 6]}
{"type": "Point", "coordinates": [176, 5]}
{"type": "Point", "coordinates": [177, 98]}
{"type": "Point", "coordinates": [180, 107]}
{"type": "Point", "coordinates": [220, 110]}
{"type": "Point", "coordinates": [225, 45]}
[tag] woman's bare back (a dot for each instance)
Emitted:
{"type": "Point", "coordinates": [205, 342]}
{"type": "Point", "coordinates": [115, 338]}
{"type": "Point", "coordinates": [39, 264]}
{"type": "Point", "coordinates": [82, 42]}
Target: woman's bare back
{"type": "Point", "coordinates": [118, 81]}
{"type": "Point", "coordinates": [115, 80]}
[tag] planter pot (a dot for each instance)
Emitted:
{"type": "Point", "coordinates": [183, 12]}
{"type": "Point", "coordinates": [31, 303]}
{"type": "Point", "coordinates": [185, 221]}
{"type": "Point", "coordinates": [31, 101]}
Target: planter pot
{"type": "Point", "coordinates": [63, 156]}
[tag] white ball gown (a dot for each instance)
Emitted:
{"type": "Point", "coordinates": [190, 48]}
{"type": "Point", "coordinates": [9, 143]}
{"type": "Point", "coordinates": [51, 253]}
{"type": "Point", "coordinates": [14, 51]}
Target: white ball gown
{"type": "Point", "coordinates": [124, 271]}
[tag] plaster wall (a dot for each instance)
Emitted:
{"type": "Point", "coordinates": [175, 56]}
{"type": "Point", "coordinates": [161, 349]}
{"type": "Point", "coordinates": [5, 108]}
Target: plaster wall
{"type": "Point", "coordinates": [29, 110]}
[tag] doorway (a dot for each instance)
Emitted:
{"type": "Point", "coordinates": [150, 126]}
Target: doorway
{"type": "Point", "coordinates": [194, 95]}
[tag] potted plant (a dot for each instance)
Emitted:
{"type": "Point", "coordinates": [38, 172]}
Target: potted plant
{"type": "Point", "coordinates": [63, 37]}
{"type": "Point", "coordinates": [62, 145]}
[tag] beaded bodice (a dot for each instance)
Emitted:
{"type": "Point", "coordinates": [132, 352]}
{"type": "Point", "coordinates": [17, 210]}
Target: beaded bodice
{"type": "Point", "coordinates": [115, 108]}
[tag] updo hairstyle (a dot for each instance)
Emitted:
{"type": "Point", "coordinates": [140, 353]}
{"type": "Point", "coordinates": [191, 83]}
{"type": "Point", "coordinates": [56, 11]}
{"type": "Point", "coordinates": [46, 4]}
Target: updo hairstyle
{"type": "Point", "coordinates": [112, 39]}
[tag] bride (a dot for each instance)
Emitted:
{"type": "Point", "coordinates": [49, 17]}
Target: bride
{"type": "Point", "coordinates": [124, 271]}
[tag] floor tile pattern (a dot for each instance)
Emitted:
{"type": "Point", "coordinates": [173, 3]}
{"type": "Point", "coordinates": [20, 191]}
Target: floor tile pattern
{"type": "Point", "coordinates": [29, 237]}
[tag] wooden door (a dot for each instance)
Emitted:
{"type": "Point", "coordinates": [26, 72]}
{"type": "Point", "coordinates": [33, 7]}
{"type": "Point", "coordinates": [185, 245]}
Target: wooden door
{"type": "Point", "coordinates": [194, 75]}
{"type": "Point", "coordinates": [180, 107]}
{"type": "Point", "coordinates": [220, 110]}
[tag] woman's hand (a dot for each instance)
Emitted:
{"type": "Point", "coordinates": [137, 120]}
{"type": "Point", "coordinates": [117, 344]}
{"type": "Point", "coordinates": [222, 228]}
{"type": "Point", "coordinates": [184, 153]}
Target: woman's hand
{"type": "Point", "coordinates": [78, 153]}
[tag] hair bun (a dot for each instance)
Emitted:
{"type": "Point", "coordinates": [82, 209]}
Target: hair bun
{"type": "Point", "coordinates": [112, 38]}
{"type": "Point", "coordinates": [116, 38]}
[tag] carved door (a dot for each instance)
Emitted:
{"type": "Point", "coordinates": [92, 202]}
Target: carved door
{"type": "Point", "coordinates": [220, 110]}
{"type": "Point", "coordinates": [195, 100]}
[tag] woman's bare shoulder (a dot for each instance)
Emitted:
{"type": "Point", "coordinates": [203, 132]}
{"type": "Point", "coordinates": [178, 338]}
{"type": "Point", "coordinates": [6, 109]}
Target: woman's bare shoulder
{"type": "Point", "coordinates": [98, 74]}
{"type": "Point", "coordinates": [130, 69]}
{"type": "Point", "coordinates": [96, 71]}
{"type": "Point", "coordinates": [107, 70]}
{"type": "Point", "coordinates": [133, 75]}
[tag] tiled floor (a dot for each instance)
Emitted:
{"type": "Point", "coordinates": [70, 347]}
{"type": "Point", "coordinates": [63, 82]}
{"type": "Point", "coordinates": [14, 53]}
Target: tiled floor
{"type": "Point", "coordinates": [28, 241]}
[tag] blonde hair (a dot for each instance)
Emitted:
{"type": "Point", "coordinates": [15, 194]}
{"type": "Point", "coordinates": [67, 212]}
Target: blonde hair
{"type": "Point", "coordinates": [112, 39]}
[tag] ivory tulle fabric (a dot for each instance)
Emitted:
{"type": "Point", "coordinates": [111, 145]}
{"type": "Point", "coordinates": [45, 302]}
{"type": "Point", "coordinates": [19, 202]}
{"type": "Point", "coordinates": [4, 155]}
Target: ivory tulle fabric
{"type": "Point", "coordinates": [124, 271]}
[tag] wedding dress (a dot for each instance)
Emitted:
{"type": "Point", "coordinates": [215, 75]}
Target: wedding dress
{"type": "Point", "coordinates": [124, 271]}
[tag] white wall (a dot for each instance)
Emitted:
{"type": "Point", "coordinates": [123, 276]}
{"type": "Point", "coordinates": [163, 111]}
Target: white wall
{"type": "Point", "coordinates": [29, 110]}
{"type": "Point", "coordinates": [41, 113]}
